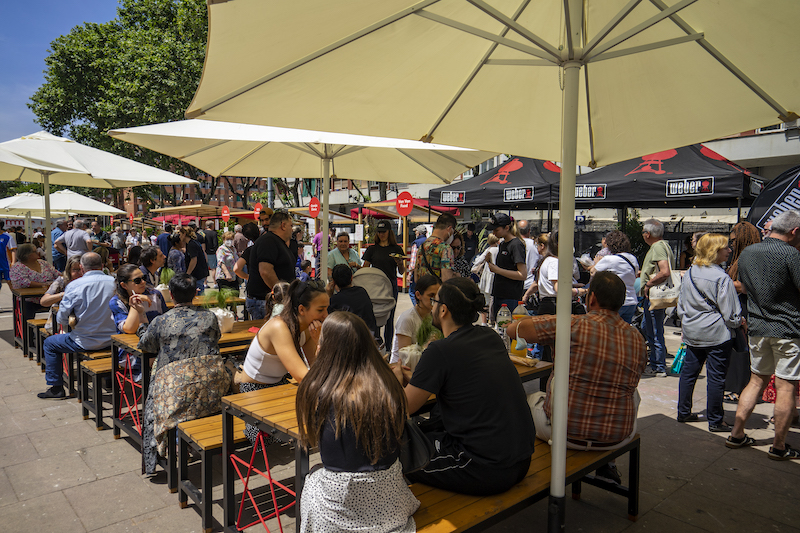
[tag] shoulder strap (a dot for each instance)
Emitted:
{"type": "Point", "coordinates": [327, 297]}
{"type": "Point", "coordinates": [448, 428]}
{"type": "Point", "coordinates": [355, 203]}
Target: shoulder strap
{"type": "Point", "coordinates": [708, 301]}
{"type": "Point", "coordinates": [626, 260]}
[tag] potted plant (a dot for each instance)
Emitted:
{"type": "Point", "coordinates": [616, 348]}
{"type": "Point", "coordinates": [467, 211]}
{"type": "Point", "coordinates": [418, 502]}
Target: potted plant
{"type": "Point", "coordinates": [426, 333]}
{"type": "Point", "coordinates": [216, 300]}
{"type": "Point", "coordinates": [163, 287]}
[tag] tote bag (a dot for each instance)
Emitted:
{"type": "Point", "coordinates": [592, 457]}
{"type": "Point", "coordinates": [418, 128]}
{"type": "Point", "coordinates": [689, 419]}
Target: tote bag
{"type": "Point", "coordinates": [666, 293]}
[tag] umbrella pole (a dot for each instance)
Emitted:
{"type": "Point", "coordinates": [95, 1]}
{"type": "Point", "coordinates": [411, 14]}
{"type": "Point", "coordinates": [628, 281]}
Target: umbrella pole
{"type": "Point", "coordinates": [566, 242]}
{"type": "Point", "coordinates": [326, 187]}
{"type": "Point", "coordinates": [47, 228]}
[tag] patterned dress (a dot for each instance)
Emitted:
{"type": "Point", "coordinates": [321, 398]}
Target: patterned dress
{"type": "Point", "coordinates": [189, 378]}
{"type": "Point", "coordinates": [22, 276]}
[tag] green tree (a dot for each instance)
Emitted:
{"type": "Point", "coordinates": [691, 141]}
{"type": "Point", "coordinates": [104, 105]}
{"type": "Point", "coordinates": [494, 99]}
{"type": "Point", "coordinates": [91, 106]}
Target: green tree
{"type": "Point", "coordinates": [141, 68]}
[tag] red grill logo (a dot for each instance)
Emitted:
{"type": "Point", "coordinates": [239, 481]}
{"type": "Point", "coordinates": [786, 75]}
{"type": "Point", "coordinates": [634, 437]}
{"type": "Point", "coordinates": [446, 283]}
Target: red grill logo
{"type": "Point", "coordinates": [502, 174]}
{"type": "Point", "coordinates": [654, 163]}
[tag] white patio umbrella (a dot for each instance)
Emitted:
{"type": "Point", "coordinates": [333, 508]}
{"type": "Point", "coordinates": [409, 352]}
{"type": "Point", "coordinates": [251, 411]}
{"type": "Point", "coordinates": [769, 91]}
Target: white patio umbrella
{"type": "Point", "coordinates": [580, 81]}
{"type": "Point", "coordinates": [224, 148]}
{"type": "Point", "coordinates": [45, 158]}
{"type": "Point", "coordinates": [64, 201]}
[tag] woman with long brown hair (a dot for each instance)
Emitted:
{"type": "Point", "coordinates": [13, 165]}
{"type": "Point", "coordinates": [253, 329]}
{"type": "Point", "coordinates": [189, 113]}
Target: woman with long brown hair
{"type": "Point", "coordinates": [742, 235]}
{"type": "Point", "coordinates": [351, 405]}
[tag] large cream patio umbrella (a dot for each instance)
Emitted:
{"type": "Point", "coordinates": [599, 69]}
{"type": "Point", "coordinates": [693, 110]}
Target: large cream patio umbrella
{"type": "Point", "coordinates": [579, 81]}
{"type": "Point", "coordinates": [230, 149]}
{"type": "Point", "coordinates": [64, 201]}
{"type": "Point", "coordinates": [44, 158]}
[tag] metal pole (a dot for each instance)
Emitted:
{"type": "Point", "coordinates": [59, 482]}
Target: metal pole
{"type": "Point", "coordinates": [47, 228]}
{"type": "Point", "coordinates": [270, 194]}
{"type": "Point", "coordinates": [738, 209]}
{"type": "Point", "coordinates": [566, 240]}
{"type": "Point", "coordinates": [326, 186]}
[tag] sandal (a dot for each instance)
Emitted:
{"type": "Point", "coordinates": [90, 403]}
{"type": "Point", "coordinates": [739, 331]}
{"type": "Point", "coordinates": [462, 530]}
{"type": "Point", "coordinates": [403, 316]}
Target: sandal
{"type": "Point", "coordinates": [732, 442]}
{"type": "Point", "coordinates": [730, 397]}
{"type": "Point", "coordinates": [783, 455]}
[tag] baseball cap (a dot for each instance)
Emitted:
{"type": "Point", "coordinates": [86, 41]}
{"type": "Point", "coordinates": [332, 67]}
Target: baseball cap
{"type": "Point", "coordinates": [421, 229]}
{"type": "Point", "coordinates": [498, 220]}
{"type": "Point", "coordinates": [383, 225]}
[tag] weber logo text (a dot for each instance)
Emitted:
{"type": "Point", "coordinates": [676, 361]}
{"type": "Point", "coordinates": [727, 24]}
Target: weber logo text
{"type": "Point", "coordinates": [594, 191]}
{"type": "Point", "coordinates": [690, 187]}
{"type": "Point", "coordinates": [453, 197]}
{"type": "Point", "coordinates": [516, 194]}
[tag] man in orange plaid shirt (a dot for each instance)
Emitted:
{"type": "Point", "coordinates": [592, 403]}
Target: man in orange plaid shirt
{"type": "Point", "coordinates": [607, 358]}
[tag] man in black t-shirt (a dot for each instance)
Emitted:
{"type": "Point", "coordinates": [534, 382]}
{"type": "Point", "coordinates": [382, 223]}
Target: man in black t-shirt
{"type": "Point", "coordinates": [470, 243]}
{"type": "Point", "coordinates": [210, 242]}
{"type": "Point", "coordinates": [270, 261]}
{"type": "Point", "coordinates": [351, 298]}
{"type": "Point", "coordinates": [510, 269]}
{"type": "Point", "coordinates": [196, 265]}
{"type": "Point", "coordinates": [484, 437]}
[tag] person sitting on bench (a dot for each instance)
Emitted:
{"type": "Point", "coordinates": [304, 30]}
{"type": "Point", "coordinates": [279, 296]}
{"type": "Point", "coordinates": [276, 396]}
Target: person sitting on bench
{"type": "Point", "coordinates": [87, 298]}
{"type": "Point", "coordinates": [607, 358]}
{"type": "Point", "coordinates": [482, 428]}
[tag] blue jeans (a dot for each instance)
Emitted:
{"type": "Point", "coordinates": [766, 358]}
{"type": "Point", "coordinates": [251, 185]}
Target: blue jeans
{"type": "Point", "coordinates": [54, 348]}
{"type": "Point", "coordinates": [412, 288]}
{"type": "Point", "coordinates": [257, 309]}
{"type": "Point", "coordinates": [654, 331]}
{"type": "Point", "coordinates": [201, 286]}
{"type": "Point", "coordinates": [626, 312]}
{"type": "Point", "coordinates": [716, 359]}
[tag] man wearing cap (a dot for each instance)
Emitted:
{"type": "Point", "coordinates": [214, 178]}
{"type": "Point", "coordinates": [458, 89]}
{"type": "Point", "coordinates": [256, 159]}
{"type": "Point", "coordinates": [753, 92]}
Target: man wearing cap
{"type": "Point", "coordinates": [470, 243]}
{"type": "Point", "coordinates": [420, 235]}
{"type": "Point", "coordinates": [435, 256]}
{"type": "Point", "coordinates": [387, 256]}
{"type": "Point", "coordinates": [509, 267]}
{"type": "Point", "coordinates": [264, 217]}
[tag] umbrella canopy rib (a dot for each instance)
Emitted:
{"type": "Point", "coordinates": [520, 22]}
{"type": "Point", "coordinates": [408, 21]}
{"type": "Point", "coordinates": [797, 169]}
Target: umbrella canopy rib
{"type": "Point", "coordinates": [319, 53]}
{"type": "Point", "coordinates": [613, 23]}
{"type": "Point", "coordinates": [512, 24]}
{"type": "Point", "coordinates": [602, 56]}
{"type": "Point", "coordinates": [243, 158]}
{"type": "Point", "coordinates": [426, 167]}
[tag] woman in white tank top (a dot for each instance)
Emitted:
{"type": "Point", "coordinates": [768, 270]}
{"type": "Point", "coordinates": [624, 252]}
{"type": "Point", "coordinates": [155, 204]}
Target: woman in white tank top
{"type": "Point", "coordinates": [287, 343]}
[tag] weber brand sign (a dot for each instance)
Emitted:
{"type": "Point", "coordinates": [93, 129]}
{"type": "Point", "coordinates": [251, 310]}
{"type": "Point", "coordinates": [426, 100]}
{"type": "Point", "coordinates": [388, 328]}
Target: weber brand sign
{"type": "Point", "coordinates": [789, 199]}
{"type": "Point", "coordinates": [690, 187]}
{"type": "Point", "coordinates": [452, 197]}
{"type": "Point", "coordinates": [591, 191]}
{"type": "Point", "coordinates": [516, 194]}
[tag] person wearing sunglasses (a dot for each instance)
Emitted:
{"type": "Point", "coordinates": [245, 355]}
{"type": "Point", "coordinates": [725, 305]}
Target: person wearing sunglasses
{"type": "Point", "coordinates": [133, 306]}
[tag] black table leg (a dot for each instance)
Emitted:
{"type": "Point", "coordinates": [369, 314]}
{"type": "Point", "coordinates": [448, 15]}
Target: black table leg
{"type": "Point", "coordinates": [228, 501]}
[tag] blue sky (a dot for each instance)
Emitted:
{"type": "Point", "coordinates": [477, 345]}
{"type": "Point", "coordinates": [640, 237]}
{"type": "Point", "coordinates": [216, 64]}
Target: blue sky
{"type": "Point", "coordinates": [27, 28]}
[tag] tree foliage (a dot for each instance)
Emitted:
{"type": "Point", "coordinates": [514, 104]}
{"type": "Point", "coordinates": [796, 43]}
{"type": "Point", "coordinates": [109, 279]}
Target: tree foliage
{"type": "Point", "coordinates": [141, 68]}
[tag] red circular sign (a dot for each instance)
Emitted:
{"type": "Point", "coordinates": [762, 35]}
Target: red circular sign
{"type": "Point", "coordinates": [130, 217]}
{"type": "Point", "coordinates": [314, 207]}
{"type": "Point", "coordinates": [226, 214]}
{"type": "Point", "coordinates": [405, 203]}
{"type": "Point", "coordinates": [257, 208]}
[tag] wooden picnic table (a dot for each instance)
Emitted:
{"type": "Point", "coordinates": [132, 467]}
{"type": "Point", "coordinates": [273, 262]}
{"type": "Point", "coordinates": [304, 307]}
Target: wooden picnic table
{"type": "Point", "coordinates": [21, 299]}
{"type": "Point", "coordinates": [272, 410]}
{"type": "Point", "coordinates": [240, 335]}
{"type": "Point", "coordinates": [200, 300]}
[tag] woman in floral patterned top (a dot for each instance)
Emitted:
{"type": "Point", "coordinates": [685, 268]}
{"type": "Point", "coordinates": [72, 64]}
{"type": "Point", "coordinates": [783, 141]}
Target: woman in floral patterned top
{"type": "Point", "coordinates": [189, 378]}
{"type": "Point", "coordinates": [226, 260]}
{"type": "Point", "coordinates": [31, 271]}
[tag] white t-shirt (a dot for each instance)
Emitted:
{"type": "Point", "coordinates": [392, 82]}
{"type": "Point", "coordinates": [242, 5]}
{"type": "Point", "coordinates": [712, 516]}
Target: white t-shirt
{"type": "Point", "coordinates": [620, 267]}
{"type": "Point", "coordinates": [531, 260]}
{"type": "Point", "coordinates": [408, 324]}
{"type": "Point", "coordinates": [549, 273]}
{"type": "Point", "coordinates": [76, 241]}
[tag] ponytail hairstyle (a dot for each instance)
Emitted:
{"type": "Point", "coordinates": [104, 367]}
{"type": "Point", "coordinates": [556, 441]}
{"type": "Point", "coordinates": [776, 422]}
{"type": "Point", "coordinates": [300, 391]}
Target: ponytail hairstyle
{"type": "Point", "coordinates": [351, 387]}
{"type": "Point", "coordinates": [299, 293]}
{"type": "Point", "coordinates": [463, 299]}
{"type": "Point", "coordinates": [279, 292]}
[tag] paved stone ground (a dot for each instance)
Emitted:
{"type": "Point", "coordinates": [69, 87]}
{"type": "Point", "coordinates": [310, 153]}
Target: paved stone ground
{"type": "Point", "coordinates": [57, 474]}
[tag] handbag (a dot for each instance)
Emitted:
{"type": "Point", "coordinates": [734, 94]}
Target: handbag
{"type": "Point", "coordinates": [666, 293]}
{"type": "Point", "coordinates": [738, 337]}
{"type": "Point", "coordinates": [416, 449]}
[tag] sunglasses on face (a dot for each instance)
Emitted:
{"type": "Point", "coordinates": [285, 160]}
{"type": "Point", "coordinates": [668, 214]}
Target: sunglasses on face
{"type": "Point", "coordinates": [137, 281]}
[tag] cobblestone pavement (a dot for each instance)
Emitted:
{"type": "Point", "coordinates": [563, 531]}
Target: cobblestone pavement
{"type": "Point", "coordinates": [57, 474]}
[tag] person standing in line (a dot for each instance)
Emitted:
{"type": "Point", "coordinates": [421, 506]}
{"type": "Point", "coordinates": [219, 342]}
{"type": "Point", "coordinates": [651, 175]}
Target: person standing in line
{"type": "Point", "coordinates": [226, 260]}
{"type": "Point", "coordinates": [75, 241]}
{"type": "Point", "coordinates": [531, 252]}
{"type": "Point", "coordinates": [383, 255]}
{"type": "Point", "coordinates": [210, 243]}
{"type": "Point", "coordinates": [470, 243]}
{"type": "Point", "coordinates": [656, 268]}
{"type": "Point", "coordinates": [709, 312]}
{"type": "Point", "coordinates": [770, 274]}
{"type": "Point", "coordinates": [621, 262]}
{"type": "Point", "coordinates": [435, 256]}
{"type": "Point", "coordinates": [59, 259]}
{"type": "Point", "coordinates": [163, 242]}
{"type": "Point", "coordinates": [270, 261]}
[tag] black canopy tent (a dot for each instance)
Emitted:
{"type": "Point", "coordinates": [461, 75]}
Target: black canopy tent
{"type": "Point", "coordinates": [782, 194]}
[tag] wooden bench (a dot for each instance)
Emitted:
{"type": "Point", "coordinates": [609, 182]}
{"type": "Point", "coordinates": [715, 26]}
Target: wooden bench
{"type": "Point", "coordinates": [204, 435]}
{"type": "Point", "coordinates": [94, 371]}
{"type": "Point", "coordinates": [71, 373]}
{"type": "Point", "coordinates": [442, 511]}
{"type": "Point", "coordinates": [33, 325]}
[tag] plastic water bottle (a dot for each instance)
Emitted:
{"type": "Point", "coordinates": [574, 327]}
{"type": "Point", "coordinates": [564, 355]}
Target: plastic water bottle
{"type": "Point", "coordinates": [518, 313]}
{"type": "Point", "coordinates": [503, 320]}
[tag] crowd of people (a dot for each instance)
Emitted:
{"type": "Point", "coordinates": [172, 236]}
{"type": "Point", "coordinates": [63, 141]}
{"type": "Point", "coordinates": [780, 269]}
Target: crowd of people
{"type": "Point", "coordinates": [355, 393]}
